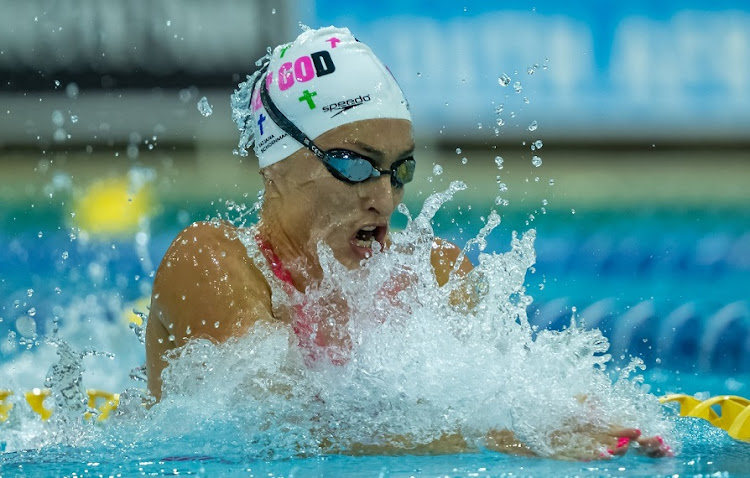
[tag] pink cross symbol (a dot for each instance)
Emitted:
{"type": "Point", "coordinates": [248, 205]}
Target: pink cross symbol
{"type": "Point", "coordinates": [334, 41]}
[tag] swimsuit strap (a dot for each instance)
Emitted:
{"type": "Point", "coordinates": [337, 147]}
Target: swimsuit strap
{"type": "Point", "coordinates": [277, 267]}
{"type": "Point", "coordinates": [314, 344]}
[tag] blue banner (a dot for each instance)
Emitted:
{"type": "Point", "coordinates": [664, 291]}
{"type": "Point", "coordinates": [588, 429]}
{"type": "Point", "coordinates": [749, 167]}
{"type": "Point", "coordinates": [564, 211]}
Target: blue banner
{"type": "Point", "coordinates": [581, 70]}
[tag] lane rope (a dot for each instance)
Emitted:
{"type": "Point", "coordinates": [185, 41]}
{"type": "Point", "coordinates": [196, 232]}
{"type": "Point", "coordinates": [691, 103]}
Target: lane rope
{"type": "Point", "coordinates": [104, 402]}
{"type": "Point", "coordinates": [728, 412]}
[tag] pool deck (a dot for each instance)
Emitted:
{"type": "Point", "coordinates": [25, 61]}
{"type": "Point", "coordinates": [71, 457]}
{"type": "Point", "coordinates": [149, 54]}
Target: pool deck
{"type": "Point", "coordinates": [583, 177]}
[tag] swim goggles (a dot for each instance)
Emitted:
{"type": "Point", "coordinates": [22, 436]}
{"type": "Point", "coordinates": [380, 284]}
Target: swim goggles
{"type": "Point", "coordinates": [343, 164]}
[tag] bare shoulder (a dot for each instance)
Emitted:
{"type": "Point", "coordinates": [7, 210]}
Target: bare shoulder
{"type": "Point", "coordinates": [444, 256]}
{"type": "Point", "coordinates": [207, 285]}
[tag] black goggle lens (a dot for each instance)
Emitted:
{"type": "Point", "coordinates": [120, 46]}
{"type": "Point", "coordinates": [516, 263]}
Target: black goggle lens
{"type": "Point", "coordinates": [354, 168]}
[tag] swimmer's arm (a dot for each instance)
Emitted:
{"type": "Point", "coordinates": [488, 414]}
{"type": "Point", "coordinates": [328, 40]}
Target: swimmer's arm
{"type": "Point", "coordinates": [503, 441]}
{"type": "Point", "coordinates": [444, 257]}
{"type": "Point", "coordinates": [206, 287]}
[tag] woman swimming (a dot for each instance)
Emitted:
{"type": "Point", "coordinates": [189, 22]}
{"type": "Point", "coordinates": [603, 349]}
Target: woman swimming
{"type": "Point", "coordinates": [333, 134]}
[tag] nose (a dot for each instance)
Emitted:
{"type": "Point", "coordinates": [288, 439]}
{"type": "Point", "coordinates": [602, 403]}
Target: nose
{"type": "Point", "coordinates": [379, 195]}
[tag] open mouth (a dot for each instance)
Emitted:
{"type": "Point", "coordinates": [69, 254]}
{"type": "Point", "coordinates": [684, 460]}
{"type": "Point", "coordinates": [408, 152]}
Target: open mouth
{"type": "Point", "coordinates": [365, 237]}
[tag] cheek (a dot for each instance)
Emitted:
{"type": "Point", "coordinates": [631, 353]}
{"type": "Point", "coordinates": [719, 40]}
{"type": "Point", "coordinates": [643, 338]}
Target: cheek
{"type": "Point", "coordinates": [332, 206]}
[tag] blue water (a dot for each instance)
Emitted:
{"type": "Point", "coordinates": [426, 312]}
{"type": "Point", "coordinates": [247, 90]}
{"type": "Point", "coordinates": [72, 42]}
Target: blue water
{"type": "Point", "coordinates": [706, 452]}
{"type": "Point", "coordinates": [629, 275]}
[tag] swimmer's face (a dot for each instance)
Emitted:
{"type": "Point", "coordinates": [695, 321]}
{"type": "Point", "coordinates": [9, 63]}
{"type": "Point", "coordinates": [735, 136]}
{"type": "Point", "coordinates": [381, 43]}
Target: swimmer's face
{"type": "Point", "coordinates": [316, 206]}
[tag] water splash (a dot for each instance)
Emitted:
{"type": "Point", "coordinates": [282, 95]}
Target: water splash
{"type": "Point", "coordinates": [204, 107]}
{"type": "Point", "coordinates": [412, 362]}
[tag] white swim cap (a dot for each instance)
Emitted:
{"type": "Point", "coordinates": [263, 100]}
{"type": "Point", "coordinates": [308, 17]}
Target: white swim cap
{"type": "Point", "coordinates": [324, 79]}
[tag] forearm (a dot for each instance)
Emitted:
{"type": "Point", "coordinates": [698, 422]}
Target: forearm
{"type": "Point", "coordinates": [503, 441]}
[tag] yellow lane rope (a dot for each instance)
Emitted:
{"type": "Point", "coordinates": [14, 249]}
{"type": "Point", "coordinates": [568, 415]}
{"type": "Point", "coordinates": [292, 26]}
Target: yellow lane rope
{"type": "Point", "coordinates": [104, 402]}
{"type": "Point", "coordinates": [728, 412]}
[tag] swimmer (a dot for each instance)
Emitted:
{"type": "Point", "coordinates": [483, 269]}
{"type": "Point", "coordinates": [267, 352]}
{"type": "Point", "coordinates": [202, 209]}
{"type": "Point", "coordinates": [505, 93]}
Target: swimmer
{"type": "Point", "coordinates": [333, 135]}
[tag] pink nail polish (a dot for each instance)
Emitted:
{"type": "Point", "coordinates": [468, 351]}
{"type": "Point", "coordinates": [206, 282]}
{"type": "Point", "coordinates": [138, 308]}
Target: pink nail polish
{"type": "Point", "coordinates": [659, 439]}
{"type": "Point", "coordinates": [622, 441]}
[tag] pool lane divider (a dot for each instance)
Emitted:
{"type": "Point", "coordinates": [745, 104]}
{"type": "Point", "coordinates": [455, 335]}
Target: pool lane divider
{"type": "Point", "coordinates": [100, 400]}
{"type": "Point", "coordinates": [728, 412]}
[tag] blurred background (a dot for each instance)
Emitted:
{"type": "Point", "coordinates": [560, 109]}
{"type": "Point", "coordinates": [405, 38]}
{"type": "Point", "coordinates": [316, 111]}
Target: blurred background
{"type": "Point", "coordinates": [618, 130]}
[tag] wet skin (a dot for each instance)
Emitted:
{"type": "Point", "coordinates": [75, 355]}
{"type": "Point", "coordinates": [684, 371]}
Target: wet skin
{"type": "Point", "coordinates": [206, 277]}
{"type": "Point", "coordinates": [208, 287]}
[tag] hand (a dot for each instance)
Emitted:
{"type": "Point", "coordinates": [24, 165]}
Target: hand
{"type": "Point", "coordinates": [653, 447]}
{"type": "Point", "coordinates": [586, 444]}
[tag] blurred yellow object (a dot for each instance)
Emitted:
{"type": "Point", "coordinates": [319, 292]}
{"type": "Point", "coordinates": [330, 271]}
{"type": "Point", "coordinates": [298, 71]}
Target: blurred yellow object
{"type": "Point", "coordinates": [105, 402]}
{"type": "Point", "coordinates": [111, 207]}
{"type": "Point", "coordinates": [733, 413]}
{"type": "Point", "coordinates": [111, 400]}
{"type": "Point", "coordinates": [5, 408]}
{"type": "Point", "coordinates": [740, 428]}
{"type": "Point", "coordinates": [141, 305]}
{"type": "Point", "coordinates": [35, 399]}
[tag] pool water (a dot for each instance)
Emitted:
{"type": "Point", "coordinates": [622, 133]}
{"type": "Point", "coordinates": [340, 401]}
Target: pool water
{"type": "Point", "coordinates": [706, 451]}
{"type": "Point", "coordinates": [676, 299]}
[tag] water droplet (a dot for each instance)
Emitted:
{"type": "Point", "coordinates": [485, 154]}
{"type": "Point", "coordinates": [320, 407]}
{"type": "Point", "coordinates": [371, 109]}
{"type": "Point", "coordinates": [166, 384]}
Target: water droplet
{"type": "Point", "coordinates": [517, 87]}
{"type": "Point", "coordinates": [499, 109]}
{"type": "Point", "coordinates": [464, 160]}
{"type": "Point", "coordinates": [39, 235]}
{"type": "Point", "coordinates": [458, 150]}
{"type": "Point", "coordinates": [57, 84]}
{"type": "Point", "coordinates": [544, 202]}
{"type": "Point", "coordinates": [536, 161]}
{"type": "Point", "coordinates": [64, 255]}
{"type": "Point", "coordinates": [499, 162]}
{"type": "Point", "coordinates": [551, 182]}
{"type": "Point", "coordinates": [273, 11]}
{"type": "Point", "coordinates": [503, 80]}
{"type": "Point", "coordinates": [59, 135]}
{"type": "Point", "coordinates": [572, 211]}
{"type": "Point", "coordinates": [204, 107]}
{"type": "Point", "coordinates": [419, 73]}
{"type": "Point", "coordinates": [132, 151]}
{"type": "Point", "coordinates": [530, 70]}
{"type": "Point", "coordinates": [533, 126]}
{"type": "Point", "coordinates": [538, 144]}
{"type": "Point", "coordinates": [500, 122]}
{"type": "Point", "coordinates": [169, 23]}
{"type": "Point", "coordinates": [526, 99]}
{"type": "Point", "coordinates": [31, 312]}
{"type": "Point", "coordinates": [437, 170]}
{"type": "Point", "coordinates": [216, 324]}
{"type": "Point", "coordinates": [30, 292]}
{"type": "Point", "coordinates": [501, 186]}
{"type": "Point", "coordinates": [72, 91]}
{"type": "Point", "coordinates": [57, 118]}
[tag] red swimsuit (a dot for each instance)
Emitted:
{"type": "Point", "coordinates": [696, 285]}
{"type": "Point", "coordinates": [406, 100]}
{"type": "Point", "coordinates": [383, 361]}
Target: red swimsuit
{"type": "Point", "coordinates": [314, 344]}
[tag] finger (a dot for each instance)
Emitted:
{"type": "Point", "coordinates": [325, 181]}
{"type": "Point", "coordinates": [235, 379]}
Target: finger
{"type": "Point", "coordinates": [631, 433]}
{"type": "Point", "coordinates": [654, 447]}
{"type": "Point", "coordinates": [621, 447]}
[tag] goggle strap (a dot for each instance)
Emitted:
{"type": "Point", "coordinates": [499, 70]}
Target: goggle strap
{"type": "Point", "coordinates": [282, 121]}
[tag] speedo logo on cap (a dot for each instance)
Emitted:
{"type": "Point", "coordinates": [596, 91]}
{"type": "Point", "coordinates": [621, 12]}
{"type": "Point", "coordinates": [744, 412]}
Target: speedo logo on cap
{"type": "Point", "coordinates": [346, 105]}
